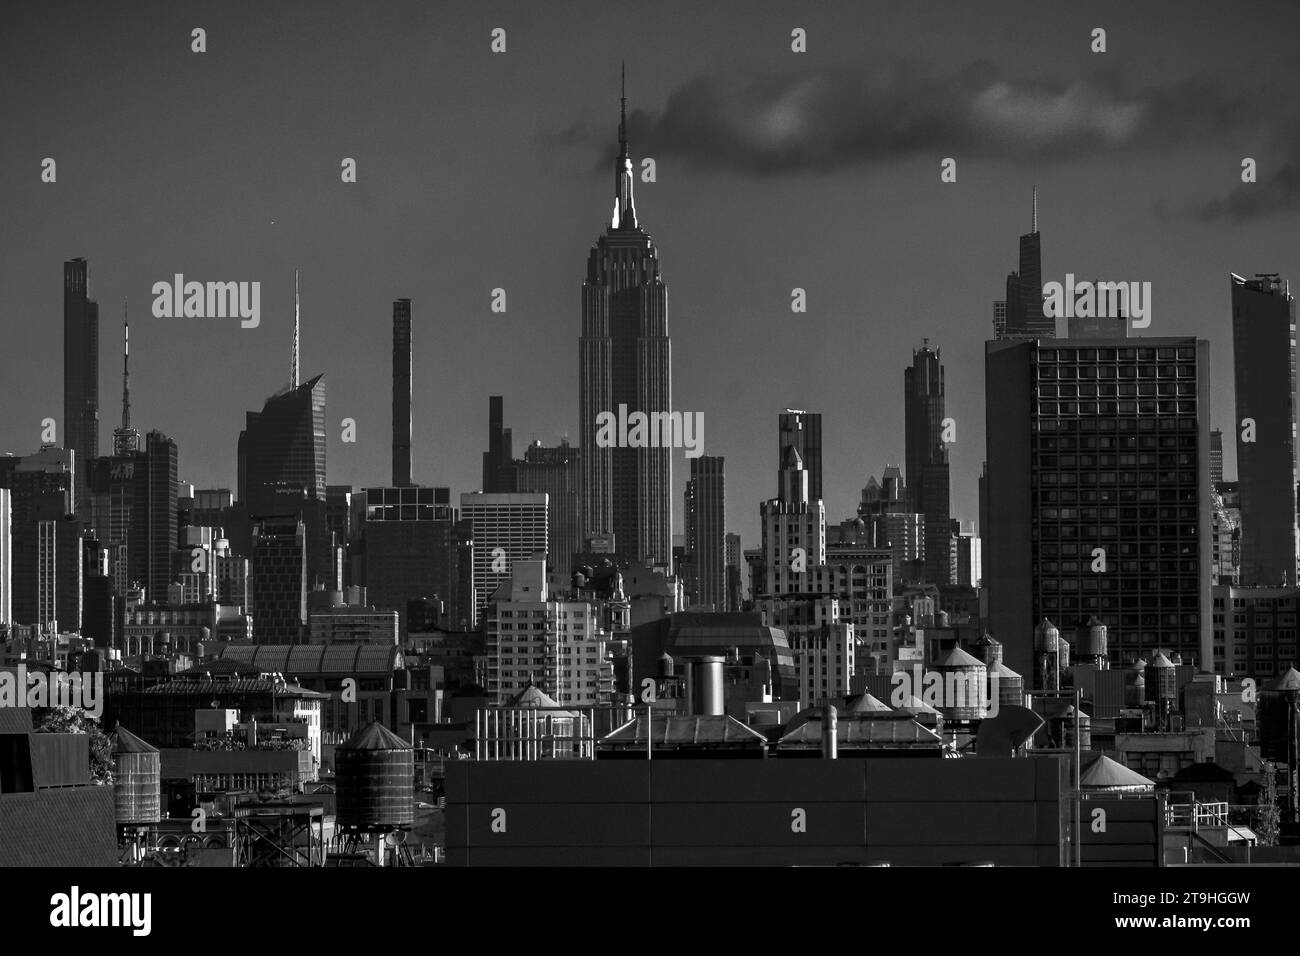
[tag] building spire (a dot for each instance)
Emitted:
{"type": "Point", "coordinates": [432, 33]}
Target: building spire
{"type": "Point", "coordinates": [1034, 227]}
{"type": "Point", "coordinates": [293, 359]}
{"type": "Point", "coordinates": [126, 368]}
{"type": "Point", "coordinates": [622, 112]}
{"type": "Point", "coordinates": [624, 207]}
{"type": "Point", "coordinates": [126, 439]}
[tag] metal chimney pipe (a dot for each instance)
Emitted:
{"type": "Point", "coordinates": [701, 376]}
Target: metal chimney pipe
{"type": "Point", "coordinates": [830, 728]}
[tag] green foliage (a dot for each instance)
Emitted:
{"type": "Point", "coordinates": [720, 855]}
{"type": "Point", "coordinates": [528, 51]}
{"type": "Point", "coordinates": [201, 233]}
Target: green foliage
{"type": "Point", "coordinates": [74, 720]}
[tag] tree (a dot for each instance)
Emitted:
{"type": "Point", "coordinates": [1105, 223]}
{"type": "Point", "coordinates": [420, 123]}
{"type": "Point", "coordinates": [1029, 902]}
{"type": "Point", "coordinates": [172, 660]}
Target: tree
{"type": "Point", "coordinates": [74, 720]}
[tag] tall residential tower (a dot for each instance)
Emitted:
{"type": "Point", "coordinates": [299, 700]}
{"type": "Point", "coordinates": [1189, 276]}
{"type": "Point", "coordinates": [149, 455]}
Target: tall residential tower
{"type": "Point", "coordinates": [1263, 353]}
{"type": "Point", "coordinates": [927, 460]}
{"type": "Point", "coordinates": [80, 426]}
{"type": "Point", "coordinates": [401, 393]}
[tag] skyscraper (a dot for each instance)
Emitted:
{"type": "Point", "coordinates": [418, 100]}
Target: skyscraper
{"type": "Point", "coordinates": [401, 393]}
{"type": "Point", "coordinates": [1216, 456]}
{"type": "Point", "coordinates": [152, 533]}
{"type": "Point", "coordinates": [625, 360]}
{"type": "Point", "coordinates": [1097, 495]}
{"type": "Point", "coordinates": [803, 431]}
{"type": "Point", "coordinates": [132, 506]}
{"type": "Point", "coordinates": [6, 560]}
{"type": "Point", "coordinates": [1024, 303]}
{"type": "Point", "coordinates": [794, 533]}
{"type": "Point", "coordinates": [735, 561]}
{"type": "Point", "coordinates": [706, 533]}
{"type": "Point", "coordinates": [413, 550]}
{"type": "Point", "coordinates": [553, 471]}
{"type": "Point", "coordinates": [927, 459]}
{"type": "Point", "coordinates": [1264, 362]}
{"type": "Point", "coordinates": [498, 459]}
{"type": "Point", "coordinates": [45, 536]}
{"type": "Point", "coordinates": [507, 528]}
{"type": "Point", "coordinates": [279, 581]}
{"type": "Point", "coordinates": [283, 446]}
{"type": "Point", "coordinates": [80, 425]}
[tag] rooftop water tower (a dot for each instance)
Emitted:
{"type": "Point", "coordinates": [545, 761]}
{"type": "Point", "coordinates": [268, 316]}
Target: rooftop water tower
{"type": "Point", "coordinates": [374, 776]}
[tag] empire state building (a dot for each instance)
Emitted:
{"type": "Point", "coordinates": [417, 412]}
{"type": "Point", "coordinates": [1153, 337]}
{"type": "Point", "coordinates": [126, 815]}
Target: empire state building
{"type": "Point", "coordinates": [625, 360]}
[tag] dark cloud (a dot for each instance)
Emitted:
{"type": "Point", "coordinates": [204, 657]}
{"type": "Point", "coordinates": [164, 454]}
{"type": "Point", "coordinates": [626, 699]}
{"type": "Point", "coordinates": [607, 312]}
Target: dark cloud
{"type": "Point", "coordinates": [818, 122]}
{"type": "Point", "coordinates": [1275, 191]}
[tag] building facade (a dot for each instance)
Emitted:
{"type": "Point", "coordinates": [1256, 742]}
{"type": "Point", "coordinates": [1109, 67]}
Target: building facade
{"type": "Point", "coordinates": [80, 371]}
{"type": "Point", "coordinates": [1264, 354]}
{"type": "Point", "coordinates": [279, 585]}
{"type": "Point", "coordinates": [705, 518]}
{"type": "Point", "coordinates": [401, 393]}
{"type": "Point", "coordinates": [1097, 493]}
{"type": "Point", "coordinates": [535, 639]}
{"type": "Point", "coordinates": [416, 547]}
{"type": "Point", "coordinates": [928, 481]}
{"type": "Point", "coordinates": [625, 364]}
{"type": "Point", "coordinates": [506, 528]}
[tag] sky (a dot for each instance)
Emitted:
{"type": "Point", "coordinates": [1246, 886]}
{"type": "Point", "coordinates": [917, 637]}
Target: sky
{"type": "Point", "coordinates": [477, 170]}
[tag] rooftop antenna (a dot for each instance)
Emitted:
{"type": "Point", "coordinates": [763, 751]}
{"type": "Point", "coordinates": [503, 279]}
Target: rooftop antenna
{"type": "Point", "coordinates": [293, 361]}
{"type": "Point", "coordinates": [126, 439]}
{"type": "Point", "coordinates": [622, 113]}
{"type": "Point", "coordinates": [126, 368]}
{"type": "Point", "coordinates": [1035, 225]}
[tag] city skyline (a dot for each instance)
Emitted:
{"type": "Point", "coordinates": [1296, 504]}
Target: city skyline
{"type": "Point", "coordinates": [882, 207]}
{"type": "Point", "coordinates": [312, 560]}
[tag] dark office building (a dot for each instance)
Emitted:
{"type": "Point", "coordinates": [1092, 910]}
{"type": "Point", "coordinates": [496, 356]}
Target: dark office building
{"type": "Point", "coordinates": [1099, 445]}
{"type": "Point", "coordinates": [928, 480]}
{"type": "Point", "coordinates": [498, 477]}
{"type": "Point", "coordinates": [99, 611]}
{"type": "Point", "coordinates": [735, 564]}
{"type": "Point", "coordinates": [282, 472]}
{"type": "Point", "coordinates": [45, 546]}
{"type": "Point", "coordinates": [1024, 302]}
{"type": "Point", "coordinates": [1216, 456]}
{"type": "Point", "coordinates": [402, 392]}
{"type": "Point", "coordinates": [279, 580]}
{"type": "Point", "coordinates": [1263, 355]}
{"type": "Point", "coordinates": [283, 446]}
{"type": "Point", "coordinates": [803, 430]}
{"type": "Point", "coordinates": [555, 472]}
{"type": "Point", "coordinates": [415, 548]}
{"type": "Point", "coordinates": [706, 535]}
{"type": "Point", "coordinates": [151, 537]}
{"type": "Point", "coordinates": [80, 425]}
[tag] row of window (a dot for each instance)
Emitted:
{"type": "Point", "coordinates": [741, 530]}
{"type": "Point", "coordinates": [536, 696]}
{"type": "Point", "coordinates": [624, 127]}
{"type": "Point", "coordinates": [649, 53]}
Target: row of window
{"type": "Point", "coordinates": [1146, 478]}
{"type": "Point", "coordinates": [1184, 513]}
{"type": "Point", "coordinates": [1125, 425]}
{"type": "Point", "coordinates": [1106, 533]}
{"type": "Point", "coordinates": [1181, 353]}
{"type": "Point", "coordinates": [1067, 443]}
{"type": "Point", "coordinates": [1146, 407]}
{"type": "Point", "coordinates": [1119, 390]}
{"type": "Point", "coordinates": [1124, 460]}
{"type": "Point", "coordinates": [1085, 372]}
